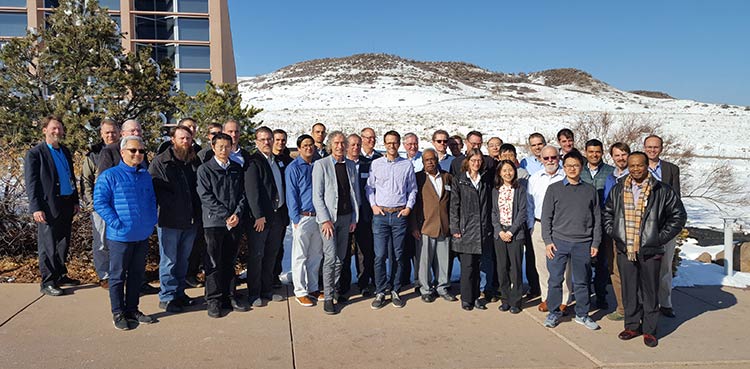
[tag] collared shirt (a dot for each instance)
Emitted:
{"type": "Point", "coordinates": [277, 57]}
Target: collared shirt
{"type": "Point", "coordinates": [474, 183]}
{"type": "Point", "coordinates": [538, 183]}
{"type": "Point", "coordinates": [392, 183]}
{"type": "Point", "coordinates": [371, 154]}
{"type": "Point", "coordinates": [437, 183]}
{"type": "Point", "coordinates": [236, 156]}
{"type": "Point", "coordinates": [594, 170]}
{"type": "Point", "coordinates": [445, 162]}
{"type": "Point", "coordinates": [532, 165]}
{"type": "Point", "coordinates": [619, 175]}
{"type": "Point", "coordinates": [416, 161]}
{"type": "Point", "coordinates": [63, 170]}
{"type": "Point", "coordinates": [299, 188]}
{"type": "Point", "coordinates": [636, 187]}
{"type": "Point", "coordinates": [276, 178]}
{"type": "Point", "coordinates": [656, 172]}
{"type": "Point", "coordinates": [222, 165]}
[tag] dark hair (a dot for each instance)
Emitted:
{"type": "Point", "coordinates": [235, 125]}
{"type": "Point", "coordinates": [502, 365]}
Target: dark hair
{"type": "Point", "coordinates": [574, 154]}
{"type": "Point", "coordinates": [49, 118]}
{"type": "Point", "coordinates": [508, 147]}
{"type": "Point", "coordinates": [565, 132]}
{"type": "Point", "coordinates": [302, 138]}
{"type": "Point", "coordinates": [279, 130]}
{"type": "Point", "coordinates": [499, 179]}
{"type": "Point", "coordinates": [594, 142]}
{"type": "Point", "coordinates": [392, 133]}
{"type": "Point", "coordinates": [474, 133]}
{"type": "Point", "coordinates": [619, 146]}
{"type": "Point", "coordinates": [471, 153]}
{"type": "Point", "coordinates": [538, 135]}
{"type": "Point", "coordinates": [263, 129]}
{"type": "Point", "coordinates": [221, 136]}
{"type": "Point", "coordinates": [174, 130]}
{"type": "Point", "coordinates": [439, 132]}
{"type": "Point", "coordinates": [319, 124]}
{"type": "Point", "coordinates": [661, 142]}
{"type": "Point", "coordinates": [215, 125]}
{"type": "Point", "coordinates": [639, 153]}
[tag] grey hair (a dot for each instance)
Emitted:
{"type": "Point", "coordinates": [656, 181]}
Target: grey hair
{"type": "Point", "coordinates": [409, 135]}
{"type": "Point", "coordinates": [127, 139]}
{"type": "Point", "coordinates": [429, 150]}
{"type": "Point", "coordinates": [129, 121]}
{"type": "Point", "coordinates": [557, 149]}
{"type": "Point", "coordinates": [329, 146]}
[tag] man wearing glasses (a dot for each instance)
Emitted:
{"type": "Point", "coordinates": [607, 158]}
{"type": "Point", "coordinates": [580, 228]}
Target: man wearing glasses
{"type": "Point", "coordinates": [368, 144]}
{"type": "Point", "coordinates": [440, 143]}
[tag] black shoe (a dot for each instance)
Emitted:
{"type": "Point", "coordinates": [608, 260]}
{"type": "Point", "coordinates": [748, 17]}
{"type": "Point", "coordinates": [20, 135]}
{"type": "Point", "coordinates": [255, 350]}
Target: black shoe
{"type": "Point", "coordinates": [532, 295]}
{"type": "Point", "coordinates": [185, 300]}
{"type": "Point", "coordinates": [378, 302]}
{"type": "Point", "coordinates": [504, 307]}
{"type": "Point", "coordinates": [214, 309]}
{"type": "Point", "coordinates": [417, 290]}
{"type": "Point", "coordinates": [51, 290]}
{"type": "Point", "coordinates": [170, 306]}
{"type": "Point", "coordinates": [139, 317]}
{"type": "Point", "coordinates": [396, 299]}
{"type": "Point", "coordinates": [366, 292]}
{"type": "Point", "coordinates": [667, 312]}
{"type": "Point", "coordinates": [120, 322]}
{"type": "Point", "coordinates": [340, 298]}
{"type": "Point", "coordinates": [448, 297]}
{"type": "Point", "coordinates": [480, 304]}
{"type": "Point", "coordinates": [329, 308]}
{"type": "Point", "coordinates": [491, 297]}
{"type": "Point", "coordinates": [467, 306]}
{"type": "Point", "coordinates": [428, 298]}
{"type": "Point", "coordinates": [66, 281]}
{"type": "Point", "coordinates": [193, 282]}
{"type": "Point", "coordinates": [237, 306]}
{"type": "Point", "coordinates": [147, 289]}
{"type": "Point", "coordinates": [515, 310]}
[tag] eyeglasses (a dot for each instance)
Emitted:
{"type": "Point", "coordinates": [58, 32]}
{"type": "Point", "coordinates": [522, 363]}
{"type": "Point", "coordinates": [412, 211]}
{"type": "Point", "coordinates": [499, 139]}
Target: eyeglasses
{"type": "Point", "coordinates": [139, 151]}
{"type": "Point", "coordinates": [213, 133]}
{"type": "Point", "coordinates": [548, 158]}
{"type": "Point", "coordinates": [572, 166]}
{"type": "Point", "coordinates": [441, 141]}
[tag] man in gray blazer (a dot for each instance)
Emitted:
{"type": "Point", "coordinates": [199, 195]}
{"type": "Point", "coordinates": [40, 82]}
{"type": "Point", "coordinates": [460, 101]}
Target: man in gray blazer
{"type": "Point", "coordinates": [336, 201]}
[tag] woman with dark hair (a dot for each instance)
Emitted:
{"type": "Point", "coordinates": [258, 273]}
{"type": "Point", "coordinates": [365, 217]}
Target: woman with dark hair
{"type": "Point", "coordinates": [470, 225]}
{"type": "Point", "coordinates": [508, 220]}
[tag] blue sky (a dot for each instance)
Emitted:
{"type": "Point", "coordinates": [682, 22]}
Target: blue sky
{"type": "Point", "coordinates": [688, 48]}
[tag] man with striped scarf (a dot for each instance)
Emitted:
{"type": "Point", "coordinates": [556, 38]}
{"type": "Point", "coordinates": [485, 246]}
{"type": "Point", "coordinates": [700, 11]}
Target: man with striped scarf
{"type": "Point", "coordinates": [641, 215]}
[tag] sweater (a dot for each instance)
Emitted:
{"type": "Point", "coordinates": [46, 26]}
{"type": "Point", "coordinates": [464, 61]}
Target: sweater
{"type": "Point", "coordinates": [571, 213]}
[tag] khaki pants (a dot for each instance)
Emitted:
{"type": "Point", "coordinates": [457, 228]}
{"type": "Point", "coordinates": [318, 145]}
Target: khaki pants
{"type": "Point", "coordinates": [616, 281]}
{"type": "Point", "coordinates": [540, 256]}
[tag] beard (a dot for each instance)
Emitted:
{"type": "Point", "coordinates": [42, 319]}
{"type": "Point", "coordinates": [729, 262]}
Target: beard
{"type": "Point", "coordinates": [184, 154]}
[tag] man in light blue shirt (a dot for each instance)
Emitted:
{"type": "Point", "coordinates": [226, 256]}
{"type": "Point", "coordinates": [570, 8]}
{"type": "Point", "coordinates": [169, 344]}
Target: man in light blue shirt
{"type": "Point", "coordinates": [440, 143]}
{"type": "Point", "coordinates": [534, 162]}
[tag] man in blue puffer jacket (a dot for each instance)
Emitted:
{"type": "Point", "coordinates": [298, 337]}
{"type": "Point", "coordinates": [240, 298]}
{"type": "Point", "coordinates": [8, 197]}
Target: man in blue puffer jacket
{"type": "Point", "coordinates": [124, 198]}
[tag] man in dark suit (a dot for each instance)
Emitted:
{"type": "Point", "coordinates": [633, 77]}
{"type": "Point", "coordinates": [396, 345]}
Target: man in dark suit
{"type": "Point", "coordinates": [53, 200]}
{"type": "Point", "coordinates": [361, 242]}
{"type": "Point", "coordinates": [264, 189]}
{"type": "Point", "coordinates": [668, 173]}
{"type": "Point", "coordinates": [368, 144]}
{"type": "Point", "coordinates": [283, 159]}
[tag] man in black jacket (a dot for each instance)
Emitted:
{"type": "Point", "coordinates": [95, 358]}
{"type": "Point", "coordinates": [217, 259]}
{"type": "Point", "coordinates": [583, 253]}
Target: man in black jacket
{"type": "Point", "coordinates": [264, 189]}
{"type": "Point", "coordinates": [173, 173]}
{"type": "Point", "coordinates": [361, 240]}
{"type": "Point", "coordinates": [53, 200]}
{"type": "Point", "coordinates": [282, 157]}
{"type": "Point", "coordinates": [220, 188]}
{"type": "Point", "coordinates": [642, 214]}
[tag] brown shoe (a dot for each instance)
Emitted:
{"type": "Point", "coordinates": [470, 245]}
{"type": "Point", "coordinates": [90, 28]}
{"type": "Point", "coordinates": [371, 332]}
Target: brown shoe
{"type": "Point", "coordinates": [650, 340]}
{"type": "Point", "coordinates": [543, 307]}
{"type": "Point", "coordinates": [304, 301]}
{"type": "Point", "coordinates": [104, 283]}
{"type": "Point", "coordinates": [317, 295]}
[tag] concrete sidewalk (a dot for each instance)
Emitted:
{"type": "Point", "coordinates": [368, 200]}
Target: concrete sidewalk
{"type": "Point", "coordinates": [76, 331]}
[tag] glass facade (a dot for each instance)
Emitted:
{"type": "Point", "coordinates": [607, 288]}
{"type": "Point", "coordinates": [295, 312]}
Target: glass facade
{"type": "Point", "coordinates": [154, 27]}
{"type": "Point", "coordinates": [154, 5]}
{"type": "Point", "coordinates": [13, 24]}
{"type": "Point", "coordinates": [51, 3]}
{"type": "Point", "coordinates": [193, 57]}
{"type": "Point", "coordinates": [192, 83]}
{"type": "Point", "coordinates": [192, 6]}
{"type": "Point", "coordinates": [193, 29]}
{"type": "Point", "coordinates": [159, 52]}
{"type": "Point", "coordinates": [13, 3]}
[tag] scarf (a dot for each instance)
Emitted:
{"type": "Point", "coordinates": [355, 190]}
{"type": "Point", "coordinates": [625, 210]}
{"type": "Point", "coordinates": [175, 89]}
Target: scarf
{"type": "Point", "coordinates": [634, 214]}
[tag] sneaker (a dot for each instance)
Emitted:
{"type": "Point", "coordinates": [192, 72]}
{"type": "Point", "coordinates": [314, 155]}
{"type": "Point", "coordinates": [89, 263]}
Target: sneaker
{"type": "Point", "coordinates": [170, 306]}
{"type": "Point", "coordinates": [140, 317]}
{"type": "Point", "coordinates": [317, 295]}
{"type": "Point", "coordinates": [258, 302]}
{"type": "Point", "coordinates": [237, 306]}
{"type": "Point", "coordinates": [214, 309]}
{"type": "Point", "coordinates": [378, 302]}
{"type": "Point", "coordinates": [66, 281]}
{"type": "Point", "coordinates": [551, 320]}
{"type": "Point", "coordinates": [329, 308]}
{"type": "Point", "coordinates": [615, 316]}
{"type": "Point", "coordinates": [120, 322]}
{"type": "Point", "coordinates": [304, 301]}
{"type": "Point", "coordinates": [276, 297]}
{"type": "Point", "coordinates": [587, 322]}
{"type": "Point", "coordinates": [396, 299]}
{"type": "Point", "coordinates": [515, 310]}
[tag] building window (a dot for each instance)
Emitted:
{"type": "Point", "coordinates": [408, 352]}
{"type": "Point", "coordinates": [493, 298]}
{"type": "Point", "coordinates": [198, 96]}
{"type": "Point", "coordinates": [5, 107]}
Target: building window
{"type": "Point", "coordinates": [192, 83]}
{"type": "Point", "coordinates": [13, 3]}
{"type": "Point", "coordinates": [51, 3]}
{"type": "Point", "coordinates": [12, 24]}
{"type": "Point", "coordinates": [155, 5]}
{"type": "Point", "coordinates": [191, 29]}
{"type": "Point", "coordinates": [110, 4]}
{"type": "Point", "coordinates": [118, 21]}
{"type": "Point", "coordinates": [194, 57]}
{"type": "Point", "coordinates": [154, 27]}
{"type": "Point", "coordinates": [192, 6]}
{"type": "Point", "coordinates": [159, 52]}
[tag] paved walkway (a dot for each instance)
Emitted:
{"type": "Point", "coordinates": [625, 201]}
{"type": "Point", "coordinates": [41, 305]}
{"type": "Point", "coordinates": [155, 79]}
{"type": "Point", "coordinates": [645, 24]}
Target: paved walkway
{"type": "Point", "coordinates": [75, 331]}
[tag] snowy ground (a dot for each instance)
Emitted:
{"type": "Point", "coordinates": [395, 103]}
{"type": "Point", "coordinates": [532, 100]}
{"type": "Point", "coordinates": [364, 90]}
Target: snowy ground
{"type": "Point", "coordinates": [694, 273]}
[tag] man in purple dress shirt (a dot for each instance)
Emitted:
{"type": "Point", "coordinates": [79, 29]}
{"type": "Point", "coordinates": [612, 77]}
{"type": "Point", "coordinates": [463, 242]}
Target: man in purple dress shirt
{"type": "Point", "coordinates": [392, 191]}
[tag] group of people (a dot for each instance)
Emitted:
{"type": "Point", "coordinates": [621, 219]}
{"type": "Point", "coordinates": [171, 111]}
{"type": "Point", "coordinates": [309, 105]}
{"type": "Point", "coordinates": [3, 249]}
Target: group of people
{"type": "Point", "coordinates": [569, 216]}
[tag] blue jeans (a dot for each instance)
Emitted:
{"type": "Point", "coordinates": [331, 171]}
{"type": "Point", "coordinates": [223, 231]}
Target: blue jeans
{"type": "Point", "coordinates": [127, 268]}
{"type": "Point", "coordinates": [388, 235]}
{"type": "Point", "coordinates": [175, 246]}
{"type": "Point", "coordinates": [579, 255]}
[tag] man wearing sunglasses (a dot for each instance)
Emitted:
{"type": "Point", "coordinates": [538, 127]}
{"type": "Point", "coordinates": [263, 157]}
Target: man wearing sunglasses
{"type": "Point", "coordinates": [440, 143]}
{"type": "Point", "coordinates": [124, 197]}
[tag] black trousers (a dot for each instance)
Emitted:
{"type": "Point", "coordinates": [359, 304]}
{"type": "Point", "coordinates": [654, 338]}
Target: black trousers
{"type": "Point", "coordinates": [196, 254]}
{"type": "Point", "coordinates": [363, 247]}
{"type": "Point", "coordinates": [469, 277]}
{"type": "Point", "coordinates": [345, 279]}
{"type": "Point", "coordinates": [53, 239]}
{"type": "Point", "coordinates": [262, 250]}
{"type": "Point", "coordinates": [640, 292]}
{"type": "Point", "coordinates": [510, 270]}
{"type": "Point", "coordinates": [532, 276]}
{"type": "Point", "coordinates": [410, 251]}
{"type": "Point", "coordinates": [601, 268]}
{"type": "Point", "coordinates": [219, 260]}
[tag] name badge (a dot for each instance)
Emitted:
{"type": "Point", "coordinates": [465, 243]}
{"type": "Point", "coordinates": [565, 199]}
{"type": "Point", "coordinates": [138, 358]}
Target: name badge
{"type": "Point", "coordinates": [447, 187]}
{"type": "Point", "coordinates": [281, 164]}
{"type": "Point", "coordinates": [364, 175]}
